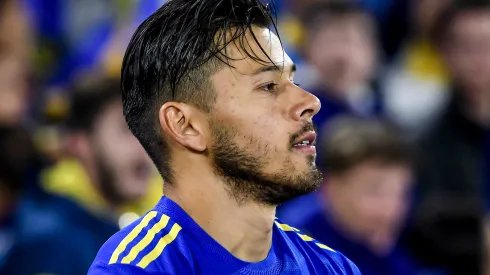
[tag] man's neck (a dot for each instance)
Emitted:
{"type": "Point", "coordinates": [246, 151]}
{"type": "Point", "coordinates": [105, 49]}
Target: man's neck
{"type": "Point", "coordinates": [245, 229]}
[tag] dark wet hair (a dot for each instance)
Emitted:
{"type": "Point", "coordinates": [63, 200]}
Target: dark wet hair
{"type": "Point", "coordinates": [173, 55]}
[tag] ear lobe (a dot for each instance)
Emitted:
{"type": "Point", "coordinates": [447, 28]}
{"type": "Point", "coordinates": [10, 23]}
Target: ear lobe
{"type": "Point", "coordinates": [181, 123]}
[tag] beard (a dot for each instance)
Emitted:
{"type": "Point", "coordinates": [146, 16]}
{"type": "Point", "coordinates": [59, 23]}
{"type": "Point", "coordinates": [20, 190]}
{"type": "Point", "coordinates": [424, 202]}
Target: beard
{"type": "Point", "coordinates": [242, 168]}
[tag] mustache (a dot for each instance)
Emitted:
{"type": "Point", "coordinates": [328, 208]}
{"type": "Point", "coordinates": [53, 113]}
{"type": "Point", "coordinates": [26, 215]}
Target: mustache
{"type": "Point", "coordinates": [307, 127]}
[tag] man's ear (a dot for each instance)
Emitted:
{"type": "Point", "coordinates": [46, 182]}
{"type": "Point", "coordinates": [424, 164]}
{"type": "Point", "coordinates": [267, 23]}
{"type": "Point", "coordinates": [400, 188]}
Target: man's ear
{"type": "Point", "coordinates": [184, 124]}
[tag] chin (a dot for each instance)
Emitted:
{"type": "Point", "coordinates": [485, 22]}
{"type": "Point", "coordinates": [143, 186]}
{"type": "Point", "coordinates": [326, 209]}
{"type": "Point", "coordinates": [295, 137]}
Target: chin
{"type": "Point", "coordinates": [306, 163]}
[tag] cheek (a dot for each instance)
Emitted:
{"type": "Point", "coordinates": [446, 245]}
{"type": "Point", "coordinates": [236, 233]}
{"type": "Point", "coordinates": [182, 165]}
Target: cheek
{"type": "Point", "coordinates": [255, 120]}
{"type": "Point", "coordinates": [259, 119]}
{"type": "Point", "coordinates": [360, 214]}
{"type": "Point", "coordinates": [366, 206]}
{"type": "Point", "coordinates": [114, 154]}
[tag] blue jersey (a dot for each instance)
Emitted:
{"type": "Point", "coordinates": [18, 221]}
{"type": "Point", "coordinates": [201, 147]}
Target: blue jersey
{"type": "Point", "coordinates": [167, 241]}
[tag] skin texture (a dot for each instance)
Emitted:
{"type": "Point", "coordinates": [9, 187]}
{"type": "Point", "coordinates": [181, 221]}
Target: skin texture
{"type": "Point", "coordinates": [234, 164]}
{"type": "Point", "coordinates": [344, 53]}
{"type": "Point", "coordinates": [468, 58]}
{"type": "Point", "coordinates": [15, 47]}
{"type": "Point", "coordinates": [115, 161]}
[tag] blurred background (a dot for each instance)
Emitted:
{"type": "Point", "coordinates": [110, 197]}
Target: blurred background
{"type": "Point", "coordinates": [403, 144]}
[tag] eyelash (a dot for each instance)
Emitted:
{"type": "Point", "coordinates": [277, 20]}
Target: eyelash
{"type": "Point", "coordinates": [271, 86]}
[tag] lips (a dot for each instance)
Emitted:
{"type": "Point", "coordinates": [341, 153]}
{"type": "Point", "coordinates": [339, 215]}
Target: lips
{"type": "Point", "coordinates": [307, 139]}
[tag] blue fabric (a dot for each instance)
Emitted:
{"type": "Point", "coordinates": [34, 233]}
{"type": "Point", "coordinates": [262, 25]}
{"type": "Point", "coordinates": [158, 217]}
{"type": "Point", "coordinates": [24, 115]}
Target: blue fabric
{"type": "Point", "coordinates": [320, 226]}
{"type": "Point", "coordinates": [7, 239]}
{"type": "Point", "coordinates": [193, 251]}
{"type": "Point", "coordinates": [55, 236]}
{"type": "Point", "coordinates": [52, 20]}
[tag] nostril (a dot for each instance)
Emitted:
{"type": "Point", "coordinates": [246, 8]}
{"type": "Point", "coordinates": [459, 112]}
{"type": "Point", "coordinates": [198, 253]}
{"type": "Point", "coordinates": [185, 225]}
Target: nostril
{"type": "Point", "coordinates": [307, 112]}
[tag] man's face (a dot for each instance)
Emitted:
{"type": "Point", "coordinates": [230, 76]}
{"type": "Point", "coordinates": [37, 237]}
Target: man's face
{"type": "Point", "coordinates": [468, 52]}
{"type": "Point", "coordinates": [426, 12]}
{"type": "Point", "coordinates": [258, 120]}
{"type": "Point", "coordinates": [13, 90]}
{"type": "Point", "coordinates": [371, 200]}
{"type": "Point", "coordinates": [122, 166]}
{"type": "Point", "coordinates": [343, 53]}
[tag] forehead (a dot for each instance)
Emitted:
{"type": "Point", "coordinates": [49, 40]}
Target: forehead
{"type": "Point", "coordinates": [256, 49]}
{"type": "Point", "coordinates": [472, 22]}
{"type": "Point", "coordinates": [111, 112]}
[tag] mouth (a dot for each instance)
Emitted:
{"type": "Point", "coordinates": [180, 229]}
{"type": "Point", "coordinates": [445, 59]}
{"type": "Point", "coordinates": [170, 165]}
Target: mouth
{"type": "Point", "coordinates": [306, 143]}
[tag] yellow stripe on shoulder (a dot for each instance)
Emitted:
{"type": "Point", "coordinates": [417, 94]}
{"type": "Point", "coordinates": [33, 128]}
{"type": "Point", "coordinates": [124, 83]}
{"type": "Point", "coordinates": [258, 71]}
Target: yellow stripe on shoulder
{"type": "Point", "coordinates": [322, 246]}
{"type": "Point", "coordinates": [286, 227]}
{"type": "Point", "coordinates": [305, 238]}
{"type": "Point", "coordinates": [150, 236]}
{"type": "Point", "coordinates": [131, 236]}
{"type": "Point", "coordinates": [158, 250]}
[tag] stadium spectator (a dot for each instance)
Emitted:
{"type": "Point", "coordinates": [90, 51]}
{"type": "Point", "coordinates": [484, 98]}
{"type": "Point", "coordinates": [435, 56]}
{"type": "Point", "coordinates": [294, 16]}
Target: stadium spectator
{"type": "Point", "coordinates": [341, 45]}
{"type": "Point", "coordinates": [15, 43]}
{"type": "Point", "coordinates": [101, 187]}
{"type": "Point", "coordinates": [17, 158]}
{"type": "Point", "coordinates": [415, 84]}
{"type": "Point", "coordinates": [365, 196]}
{"type": "Point", "coordinates": [452, 176]}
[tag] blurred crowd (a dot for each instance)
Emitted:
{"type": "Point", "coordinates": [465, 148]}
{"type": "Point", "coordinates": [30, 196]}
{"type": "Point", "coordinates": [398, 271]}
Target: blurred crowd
{"type": "Point", "coordinates": [403, 132]}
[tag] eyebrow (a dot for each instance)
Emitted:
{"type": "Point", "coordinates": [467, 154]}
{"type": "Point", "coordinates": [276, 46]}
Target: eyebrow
{"type": "Point", "coordinates": [272, 68]}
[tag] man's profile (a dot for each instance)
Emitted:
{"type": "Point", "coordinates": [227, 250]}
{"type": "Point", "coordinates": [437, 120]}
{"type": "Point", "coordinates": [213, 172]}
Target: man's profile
{"type": "Point", "coordinates": [208, 91]}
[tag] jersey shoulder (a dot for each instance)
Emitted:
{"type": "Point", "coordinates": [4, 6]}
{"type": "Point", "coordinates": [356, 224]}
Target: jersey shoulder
{"type": "Point", "coordinates": [315, 252]}
{"type": "Point", "coordinates": [154, 243]}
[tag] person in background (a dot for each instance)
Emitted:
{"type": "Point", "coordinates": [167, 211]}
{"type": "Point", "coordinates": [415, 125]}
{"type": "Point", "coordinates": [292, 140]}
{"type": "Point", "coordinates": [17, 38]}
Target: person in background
{"type": "Point", "coordinates": [103, 184]}
{"type": "Point", "coordinates": [341, 45]}
{"type": "Point", "coordinates": [15, 50]}
{"type": "Point", "coordinates": [17, 158]}
{"type": "Point", "coordinates": [452, 176]}
{"type": "Point", "coordinates": [415, 84]}
{"type": "Point", "coordinates": [363, 203]}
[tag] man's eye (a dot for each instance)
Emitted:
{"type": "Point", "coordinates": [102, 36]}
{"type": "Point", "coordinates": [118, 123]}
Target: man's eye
{"type": "Point", "coordinates": [271, 87]}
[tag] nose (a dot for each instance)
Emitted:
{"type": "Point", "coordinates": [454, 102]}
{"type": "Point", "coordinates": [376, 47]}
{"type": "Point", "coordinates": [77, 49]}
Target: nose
{"type": "Point", "coordinates": [306, 105]}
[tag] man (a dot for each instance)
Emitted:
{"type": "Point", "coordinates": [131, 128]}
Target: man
{"type": "Point", "coordinates": [88, 197]}
{"type": "Point", "coordinates": [17, 162]}
{"type": "Point", "coordinates": [415, 84]}
{"type": "Point", "coordinates": [365, 196]}
{"type": "Point", "coordinates": [209, 92]}
{"type": "Point", "coordinates": [341, 45]}
{"type": "Point", "coordinates": [15, 49]}
{"type": "Point", "coordinates": [448, 220]}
